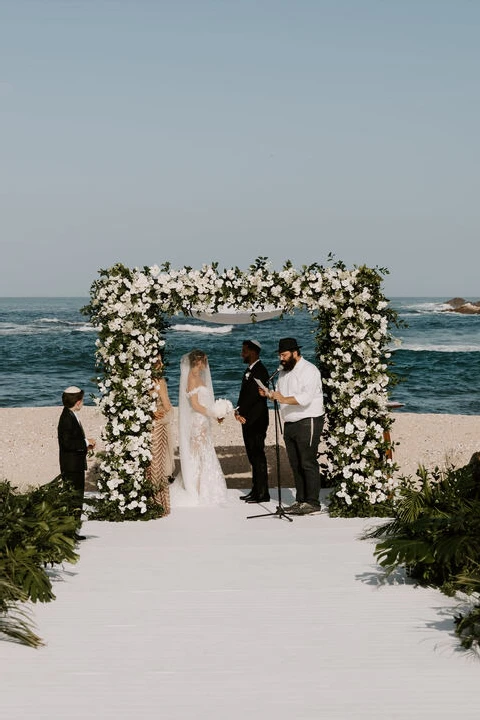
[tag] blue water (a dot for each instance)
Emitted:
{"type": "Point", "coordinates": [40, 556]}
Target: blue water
{"type": "Point", "coordinates": [46, 344]}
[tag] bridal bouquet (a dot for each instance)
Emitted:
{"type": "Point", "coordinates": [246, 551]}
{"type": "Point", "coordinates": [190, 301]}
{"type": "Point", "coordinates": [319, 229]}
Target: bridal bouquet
{"type": "Point", "coordinates": [222, 407]}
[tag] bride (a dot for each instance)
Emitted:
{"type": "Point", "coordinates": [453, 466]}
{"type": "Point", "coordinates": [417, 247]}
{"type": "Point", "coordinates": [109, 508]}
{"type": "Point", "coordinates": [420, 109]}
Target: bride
{"type": "Point", "coordinates": [201, 480]}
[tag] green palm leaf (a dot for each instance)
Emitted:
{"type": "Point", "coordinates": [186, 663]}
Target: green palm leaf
{"type": "Point", "coordinates": [15, 622]}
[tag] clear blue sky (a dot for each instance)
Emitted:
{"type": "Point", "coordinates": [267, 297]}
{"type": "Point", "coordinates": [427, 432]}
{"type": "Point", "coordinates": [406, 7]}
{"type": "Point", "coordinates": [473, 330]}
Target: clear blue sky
{"type": "Point", "coordinates": [140, 131]}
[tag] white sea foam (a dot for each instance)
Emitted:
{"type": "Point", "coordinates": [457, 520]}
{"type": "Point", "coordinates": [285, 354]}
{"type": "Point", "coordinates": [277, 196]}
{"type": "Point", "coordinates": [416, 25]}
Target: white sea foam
{"type": "Point", "coordinates": [57, 321]}
{"type": "Point", "coordinates": [44, 327]}
{"type": "Point", "coordinates": [408, 309]}
{"type": "Point", "coordinates": [419, 347]}
{"type": "Point", "coordinates": [426, 308]}
{"type": "Point", "coordinates": [10, 329]}
{"type": "Point", "coordinates": [205, 329]}
{"type": "Point", "coordinates": [86, 327]}
{"type": "Point", "coordinates": [6, 329]}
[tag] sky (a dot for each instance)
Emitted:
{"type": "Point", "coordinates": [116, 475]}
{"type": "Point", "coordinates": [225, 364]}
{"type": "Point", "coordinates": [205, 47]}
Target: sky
{"type": "Point", "coordinates": [198, 131]}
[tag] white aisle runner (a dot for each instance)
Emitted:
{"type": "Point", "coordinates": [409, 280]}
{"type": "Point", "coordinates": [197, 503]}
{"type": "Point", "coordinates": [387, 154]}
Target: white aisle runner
{"type": "Point", "coordinates": [206, 614]}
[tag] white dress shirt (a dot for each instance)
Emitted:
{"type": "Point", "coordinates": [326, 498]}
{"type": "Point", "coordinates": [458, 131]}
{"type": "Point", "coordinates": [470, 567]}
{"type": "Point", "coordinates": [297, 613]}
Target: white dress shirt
{"type": "Point", "coordinates": [304, 383]}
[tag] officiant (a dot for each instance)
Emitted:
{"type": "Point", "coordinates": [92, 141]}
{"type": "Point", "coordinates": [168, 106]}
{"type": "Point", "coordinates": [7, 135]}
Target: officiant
{"type": "Point", "coordinates": [252, 413]}
{"type": "Point", "coordinates": [300, 395]}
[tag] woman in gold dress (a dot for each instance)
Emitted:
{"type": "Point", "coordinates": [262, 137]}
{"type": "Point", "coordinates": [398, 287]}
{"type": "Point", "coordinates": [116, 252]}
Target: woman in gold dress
{"type": "Point", "coordinates": [162, 464]}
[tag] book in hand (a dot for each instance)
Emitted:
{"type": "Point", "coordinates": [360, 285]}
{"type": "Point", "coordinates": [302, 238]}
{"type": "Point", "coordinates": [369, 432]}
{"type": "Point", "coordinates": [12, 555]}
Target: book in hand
{"type": "Point", "coordinates": [262, 386]}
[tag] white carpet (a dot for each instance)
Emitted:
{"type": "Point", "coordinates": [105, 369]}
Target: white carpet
{"type": "Point", "coordinates": [207, 614]}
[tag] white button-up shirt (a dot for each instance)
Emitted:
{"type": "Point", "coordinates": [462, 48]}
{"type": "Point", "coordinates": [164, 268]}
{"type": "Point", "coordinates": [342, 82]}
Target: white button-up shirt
{"type": "Point", "coordinates": [304, 383]}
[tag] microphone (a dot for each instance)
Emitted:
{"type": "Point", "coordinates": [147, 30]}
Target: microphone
{"type": "Point", "coordinates": [275, 373]}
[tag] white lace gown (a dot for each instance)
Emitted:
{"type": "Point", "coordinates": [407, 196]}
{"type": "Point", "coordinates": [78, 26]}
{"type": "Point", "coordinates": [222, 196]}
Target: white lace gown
{"type": "Point", "coordinates": [201, 480]}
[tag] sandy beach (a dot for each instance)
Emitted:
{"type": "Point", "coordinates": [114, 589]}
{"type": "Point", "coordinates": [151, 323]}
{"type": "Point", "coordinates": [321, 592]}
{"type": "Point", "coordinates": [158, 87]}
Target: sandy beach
{"type": "Point", "coordinates": [29, 454]}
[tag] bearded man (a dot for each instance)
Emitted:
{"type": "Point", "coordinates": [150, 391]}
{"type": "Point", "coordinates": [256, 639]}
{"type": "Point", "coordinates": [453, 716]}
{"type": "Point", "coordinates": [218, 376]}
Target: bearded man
{"type": "Point", "coordinates": [300, 397]}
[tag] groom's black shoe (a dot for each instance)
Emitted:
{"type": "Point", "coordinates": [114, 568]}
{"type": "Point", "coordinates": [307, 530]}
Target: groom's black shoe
{"type": "Point", "coordinates": [248, 496]}
{"type": "Point", "coordinates": [253, 499]}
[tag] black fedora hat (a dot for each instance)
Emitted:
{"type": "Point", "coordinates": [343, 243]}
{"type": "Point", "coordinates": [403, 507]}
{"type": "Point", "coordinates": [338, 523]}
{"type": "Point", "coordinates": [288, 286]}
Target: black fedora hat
{"type": "Point", "coordinates": [286, 344]}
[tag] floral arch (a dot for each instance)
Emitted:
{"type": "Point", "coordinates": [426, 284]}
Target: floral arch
{"type": "Point", "coordinates": [130, 309]}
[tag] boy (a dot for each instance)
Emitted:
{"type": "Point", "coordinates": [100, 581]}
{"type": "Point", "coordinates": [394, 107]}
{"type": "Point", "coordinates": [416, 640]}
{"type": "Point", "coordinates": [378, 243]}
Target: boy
{"type": "Point", "coordinates": [73, 447]}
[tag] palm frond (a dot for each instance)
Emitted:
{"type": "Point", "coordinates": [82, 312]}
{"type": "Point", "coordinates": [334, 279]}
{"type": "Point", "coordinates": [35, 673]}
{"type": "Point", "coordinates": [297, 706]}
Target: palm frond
{"type": "Point", "coordinates": [15, 622]}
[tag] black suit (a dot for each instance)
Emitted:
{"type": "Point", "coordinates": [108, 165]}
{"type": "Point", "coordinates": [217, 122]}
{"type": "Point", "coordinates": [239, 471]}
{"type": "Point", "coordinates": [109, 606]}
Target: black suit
{"type": "Point", "coordinates": [254, 409]}
{"type": "Point", "coordinates": [73, 454]}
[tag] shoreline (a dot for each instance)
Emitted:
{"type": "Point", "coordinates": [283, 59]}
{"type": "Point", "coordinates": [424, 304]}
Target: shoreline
{"type": "Point", "coordinates": [29, 450]}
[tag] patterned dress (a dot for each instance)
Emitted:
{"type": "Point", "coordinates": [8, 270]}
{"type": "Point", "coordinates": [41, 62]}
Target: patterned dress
{"type": "Point", "coordinates": [162, 465]}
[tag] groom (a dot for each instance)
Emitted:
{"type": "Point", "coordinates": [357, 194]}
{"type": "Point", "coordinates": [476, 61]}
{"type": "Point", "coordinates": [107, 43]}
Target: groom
{"type": "Point", "coordinates": [252, 413]}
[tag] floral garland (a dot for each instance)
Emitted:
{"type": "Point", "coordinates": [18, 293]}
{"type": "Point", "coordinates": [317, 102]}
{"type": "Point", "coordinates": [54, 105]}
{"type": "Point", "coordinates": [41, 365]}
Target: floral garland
{"type": "Point", "coordinates": [352, 353]}
{"type": "Point", "coordinates": [129, 309]}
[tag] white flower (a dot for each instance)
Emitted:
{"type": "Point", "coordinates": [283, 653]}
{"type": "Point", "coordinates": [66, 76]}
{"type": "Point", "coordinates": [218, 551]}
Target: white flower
{"type": "Point", "coordinates": [222, 407]}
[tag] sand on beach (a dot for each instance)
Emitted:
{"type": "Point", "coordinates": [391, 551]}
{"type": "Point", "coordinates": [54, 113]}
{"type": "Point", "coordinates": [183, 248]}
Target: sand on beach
{"type": "Point", "coordinates": [29, 450]}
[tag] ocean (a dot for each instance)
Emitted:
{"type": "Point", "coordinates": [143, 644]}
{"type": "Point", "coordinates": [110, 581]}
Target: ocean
{"type": "Point", "coordinates": [47, 344]}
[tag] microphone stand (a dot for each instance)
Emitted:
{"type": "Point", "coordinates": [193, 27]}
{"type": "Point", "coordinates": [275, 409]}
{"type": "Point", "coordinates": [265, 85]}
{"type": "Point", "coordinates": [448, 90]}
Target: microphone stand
{"type": "Point", "coordinates": [279, 512]}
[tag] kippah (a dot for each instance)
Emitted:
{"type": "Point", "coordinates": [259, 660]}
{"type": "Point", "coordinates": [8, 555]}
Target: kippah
{"type": "Point", "coordinates": [72, 389]}
{"type": "Point", "coordinates": [255, 342]}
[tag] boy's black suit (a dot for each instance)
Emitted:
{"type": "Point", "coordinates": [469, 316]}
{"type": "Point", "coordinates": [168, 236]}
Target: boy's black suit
{"type": "Point", "coordinates": [73, 453]}
{"type": "Point", "coordinates": [254, 409]}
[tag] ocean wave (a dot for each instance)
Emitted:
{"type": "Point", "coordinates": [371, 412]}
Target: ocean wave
{"type": "Point", "coordinates": [418, 347]}
{"type": "Point", "coordinates": [58, 321]}
{"type": "Point", "coordinates": [422, 309]}
{"type": "Point", "coordinates": [9, 328]}
{"type": "Point", "coordinates": [84, 328]}
{"type": "Point", "coordinates": [23, 330]}
{"type": "Point", "coordinates": [416, 308]}
{"type": "Point", "coordinates": [51, 320]}
{"type": "Point", "coordinates": [44, 329]}
{"type": "Point", "coordinates": [205, 329]}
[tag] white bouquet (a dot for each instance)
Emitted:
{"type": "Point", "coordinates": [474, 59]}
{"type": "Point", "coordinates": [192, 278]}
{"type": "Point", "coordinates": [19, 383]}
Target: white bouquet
{"type": "Point", "coordinates": [221, 408]}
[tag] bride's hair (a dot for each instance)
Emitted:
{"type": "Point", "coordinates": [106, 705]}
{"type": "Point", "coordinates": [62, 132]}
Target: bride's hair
{"type": "Point", "coordinates": [196, 356]}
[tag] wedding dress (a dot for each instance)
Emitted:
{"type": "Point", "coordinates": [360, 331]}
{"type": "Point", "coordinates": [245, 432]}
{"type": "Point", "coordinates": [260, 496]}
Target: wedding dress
{"type": "Point", "coordinates": [201, 480]}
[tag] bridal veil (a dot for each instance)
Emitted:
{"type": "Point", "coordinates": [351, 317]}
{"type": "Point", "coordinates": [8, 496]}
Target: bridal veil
{"type": "Point", "coordinates": [188, 459]}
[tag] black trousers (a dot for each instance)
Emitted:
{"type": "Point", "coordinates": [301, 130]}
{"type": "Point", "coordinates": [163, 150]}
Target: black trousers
{"type": "Point", "coordinates": [302, 439]}
{"type": "Point", "coordinates": [75, 480]}
{"type": "Point", "coordinates": [254, 439]}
